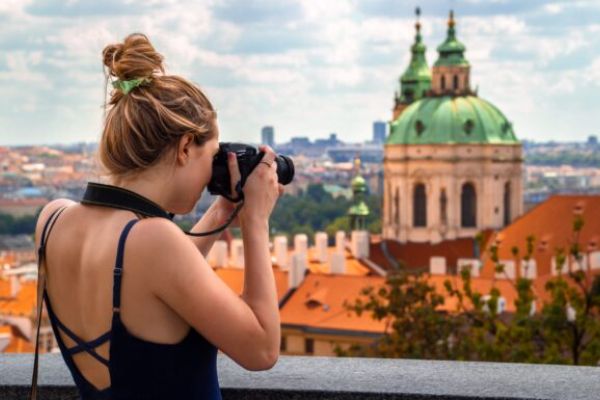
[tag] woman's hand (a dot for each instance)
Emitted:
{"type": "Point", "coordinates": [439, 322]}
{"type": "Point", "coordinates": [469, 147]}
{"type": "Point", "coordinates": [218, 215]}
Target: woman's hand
{"type": "Point", "coordinates": [261, 189]}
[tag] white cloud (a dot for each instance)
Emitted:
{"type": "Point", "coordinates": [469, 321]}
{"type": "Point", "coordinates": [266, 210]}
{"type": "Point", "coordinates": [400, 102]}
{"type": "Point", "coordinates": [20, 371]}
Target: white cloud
{"type": "Point", "coordinates": [320, 66]}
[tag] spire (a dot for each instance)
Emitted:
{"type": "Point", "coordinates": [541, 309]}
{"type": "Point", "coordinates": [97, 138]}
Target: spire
{"type": "Point", "coordinates": [451, 51]}
{"type": "Point", "coordinates": [416, 79]}
{"type": "Point", "coordinates": [359, 209]}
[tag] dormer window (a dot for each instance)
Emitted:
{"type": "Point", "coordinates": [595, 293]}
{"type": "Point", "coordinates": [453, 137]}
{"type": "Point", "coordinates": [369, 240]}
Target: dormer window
{"type": "Point", "coordinates": [419, 127]}
{"type": "Point", "coordinates": [468, 126]}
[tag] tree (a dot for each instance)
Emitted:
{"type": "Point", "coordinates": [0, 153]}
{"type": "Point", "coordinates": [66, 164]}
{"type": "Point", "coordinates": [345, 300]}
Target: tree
{"type": "Point", "coordinates": [415, 327]}
{"type": "Point", "coordinates": [565, 331]}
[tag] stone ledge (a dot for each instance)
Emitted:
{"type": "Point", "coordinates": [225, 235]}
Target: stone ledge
{"type": "Point", "coordinates": [296, 377]}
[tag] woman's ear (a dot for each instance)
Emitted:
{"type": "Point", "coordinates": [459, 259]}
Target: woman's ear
{"type": "Point", "coordinates": [183, 149]}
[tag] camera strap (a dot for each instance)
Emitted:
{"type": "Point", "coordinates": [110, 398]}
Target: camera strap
{"type": "Point", "coordinates": [99, 194]}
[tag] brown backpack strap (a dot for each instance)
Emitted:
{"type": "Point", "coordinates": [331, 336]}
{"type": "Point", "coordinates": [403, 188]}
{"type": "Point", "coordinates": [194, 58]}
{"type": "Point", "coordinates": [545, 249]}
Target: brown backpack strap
{"type": "Point", "coordinates": [41, 287]}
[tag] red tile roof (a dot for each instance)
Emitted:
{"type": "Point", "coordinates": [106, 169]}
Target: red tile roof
{"type": "Point", "coordinates": [318, 303]}
{"type": "Point", "coordinates": [416, 255]}
{"type": "Point", "coordinates": [551, 223]}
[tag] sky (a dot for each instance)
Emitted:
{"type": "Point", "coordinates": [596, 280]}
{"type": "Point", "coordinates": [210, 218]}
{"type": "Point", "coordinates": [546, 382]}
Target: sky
{"type": "Point", "coordinates": [306, 67]}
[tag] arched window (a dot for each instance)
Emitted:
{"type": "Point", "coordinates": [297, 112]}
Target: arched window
{"type": "Point", "coordinates": [455, 82]}
{"type": "Point", "coordinates": [507, 203]}
{"type": "Point", "coordinates": [468, 206]}
{"type": "Point", "coordinates": [443, 83]}
{"type": "Point", "coordinates": [443, 207]}
{"type": "Point", "coordinates": [419, 206]}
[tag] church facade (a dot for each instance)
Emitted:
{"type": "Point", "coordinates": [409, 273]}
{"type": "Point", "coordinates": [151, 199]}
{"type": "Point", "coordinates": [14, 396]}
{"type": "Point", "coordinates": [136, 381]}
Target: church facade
{"type": "Point", "coordinates": [452, 165]}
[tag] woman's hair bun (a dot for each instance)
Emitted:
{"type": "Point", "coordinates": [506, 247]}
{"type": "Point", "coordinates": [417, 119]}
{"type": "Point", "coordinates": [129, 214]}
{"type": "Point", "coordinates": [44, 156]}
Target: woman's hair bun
{"type": "Point", "coordinates": [134, 58]}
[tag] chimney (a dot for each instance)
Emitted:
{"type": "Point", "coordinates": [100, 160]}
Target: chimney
{"type": "Point", "coordinates": [340, 242]}
{"type": "Point", "coordinates": [360, 244]}
{"type": "Point", "coordinates": [280, 248]}
{"type": "Point", "coordinates": [297, 269]}
{"type": "Point", "coordinates": [529, 269]}
{"type": "Point", "coordinates": [437, 266]}
{"type": "Point", "coordinates": [337, 263]}
{"type": "Point", "coordinates": [237, 253]}
{"type": "Point", "coordinates": [595, 260]}
{"type": "Point", "coordinates": [217, 257]}
{"type": "Point", "coordinates": [15, 286]}
{"type": "Point", "coordinates": [321, 246]}
{"type": "Point", "coordinates": [473, 264]}
{"type": "Point", "coordinates": [509, 270]}
{"type": "Point", "coordinates": [301, 244]}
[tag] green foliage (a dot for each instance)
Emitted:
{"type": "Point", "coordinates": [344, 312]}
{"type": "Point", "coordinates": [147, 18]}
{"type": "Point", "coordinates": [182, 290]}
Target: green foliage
{"type": "Point", "coordinates": [408, 305]}
{"type": "Point", "coordinates": [10, 225]}
{"type": "Point", "coordinates": [565, 331]}
{"type": "Point", "coordinates": [317, 210]}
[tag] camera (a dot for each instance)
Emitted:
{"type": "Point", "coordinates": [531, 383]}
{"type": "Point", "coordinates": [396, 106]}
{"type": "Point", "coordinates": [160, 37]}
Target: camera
{"type": "Point", "coordinates": [248, 158]}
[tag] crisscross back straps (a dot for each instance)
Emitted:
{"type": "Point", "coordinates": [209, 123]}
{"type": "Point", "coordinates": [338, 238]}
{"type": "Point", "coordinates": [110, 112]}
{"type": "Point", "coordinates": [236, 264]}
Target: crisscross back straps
{"type": "Point", "coordinates": [40, 293]}
{"type": "Point", "coordinates": [118, 271]}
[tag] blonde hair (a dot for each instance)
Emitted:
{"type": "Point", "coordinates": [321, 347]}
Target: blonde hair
{"type": "Point", "coordinates": [144, 124]}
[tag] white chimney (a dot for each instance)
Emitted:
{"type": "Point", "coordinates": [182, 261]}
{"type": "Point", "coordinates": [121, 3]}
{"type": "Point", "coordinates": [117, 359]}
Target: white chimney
{"type": "Point", "coordinates": [554, 267]}
{"type": "Point", "coordinates": [529, 269]}
{"type": "Point", "coordinates": [297, 269]}
{"type": "Point", "coordinates": [337, 262]}
{"type": "Point", "coordinates": [437, 266]}
{"type": "Point", "coordinates": [360, 244]}
{"type": "Point", "coordinates": [509, 270]}
{"type": "Point", "coordinates": [237, 253]}
{"type": "Point", "coordinates": [473, 264]}
{"type": "Point", "coordinates": [280, 245]}
{"type": "Point", "coordinates": [217, 257]}
{"type": "Point", "coordinates": [321, 246]}
{"type": "Point", "coordinates": [595, 260]}
{"type": "Point", "coordinates": [15, 286]}
{"type": "Point", "coordinates": [579, 265]}
{"type": "Point", "coordinates": [301, 244]}
{"type": "Point", "coordinates": [571, 313]}
{"type": "Point", "coordinates": [340, 242]}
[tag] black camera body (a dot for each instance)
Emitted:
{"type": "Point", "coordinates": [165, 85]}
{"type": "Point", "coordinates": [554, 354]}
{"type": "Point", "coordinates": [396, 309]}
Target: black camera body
{"type": "Point", "coordinates": [248, 157]}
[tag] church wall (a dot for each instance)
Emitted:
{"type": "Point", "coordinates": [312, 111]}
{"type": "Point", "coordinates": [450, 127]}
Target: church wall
{"type": "Point", "coordinates": [488, 167]}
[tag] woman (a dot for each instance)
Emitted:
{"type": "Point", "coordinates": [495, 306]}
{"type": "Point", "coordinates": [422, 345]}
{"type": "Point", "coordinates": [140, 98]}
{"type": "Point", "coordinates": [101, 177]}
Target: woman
{"type": "Point", "coordinates": [137, 310]}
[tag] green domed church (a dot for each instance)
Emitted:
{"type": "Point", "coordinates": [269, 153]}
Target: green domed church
{"type": "Point", "coordinates": [453, 165]}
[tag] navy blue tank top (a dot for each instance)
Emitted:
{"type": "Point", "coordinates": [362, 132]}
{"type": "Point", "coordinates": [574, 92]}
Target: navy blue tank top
{"type": "Point", "coordinates": [139, 369]}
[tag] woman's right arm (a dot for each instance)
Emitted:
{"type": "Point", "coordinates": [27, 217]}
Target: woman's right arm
{"type": "Point", "coordinates": [246, 328]}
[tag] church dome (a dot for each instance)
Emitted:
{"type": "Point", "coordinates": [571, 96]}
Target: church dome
{"type": "Point", "coordinates": [451, 120]}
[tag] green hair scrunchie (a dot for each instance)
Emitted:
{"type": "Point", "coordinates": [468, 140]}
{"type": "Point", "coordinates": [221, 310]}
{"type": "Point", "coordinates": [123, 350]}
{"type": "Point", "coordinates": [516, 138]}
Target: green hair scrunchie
{"type": "Point", "coordinates": [128, 86]}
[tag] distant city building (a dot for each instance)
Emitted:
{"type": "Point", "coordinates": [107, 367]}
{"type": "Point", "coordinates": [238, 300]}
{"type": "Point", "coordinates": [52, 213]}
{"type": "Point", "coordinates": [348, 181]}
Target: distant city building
{"type": "Point", "coordinates": [453, 165]}
{"type": "Point", "coordinates": [366, 153]}
{"type": "Point", "coordinates": [379, 131]}
{"type": "Point", "coordinates": [332, 141]}
{"type": "Point", "coordinates": [268, 136]}
{"type": "Point", "coordinates": [592, 140]}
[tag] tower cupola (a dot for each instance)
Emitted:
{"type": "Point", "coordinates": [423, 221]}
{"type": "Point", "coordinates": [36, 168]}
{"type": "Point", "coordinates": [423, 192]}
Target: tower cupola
{"type": "Point", "coordinates": [451, 71]}
{"type": "Point", "coordinates": [416, 79]}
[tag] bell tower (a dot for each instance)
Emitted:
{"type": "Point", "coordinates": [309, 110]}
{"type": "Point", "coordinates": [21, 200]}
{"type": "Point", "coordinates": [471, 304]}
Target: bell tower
{"type": "Point", "coordinates": [416, 79]}
{"type": "Point", "coordinates": [451, 71]}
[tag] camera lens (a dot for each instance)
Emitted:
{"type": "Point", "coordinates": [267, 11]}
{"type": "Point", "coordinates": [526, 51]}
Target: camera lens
{"type": "Point", "coordinates": [285, 169]}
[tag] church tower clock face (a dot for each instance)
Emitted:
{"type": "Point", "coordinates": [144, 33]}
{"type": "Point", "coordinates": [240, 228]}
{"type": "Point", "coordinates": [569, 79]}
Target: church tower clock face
{"type": "Point", "coordinates": [453, 164]}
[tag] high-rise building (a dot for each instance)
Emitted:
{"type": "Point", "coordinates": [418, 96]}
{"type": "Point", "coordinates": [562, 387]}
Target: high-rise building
{"type": "Point", "coordinates": [379, 132]}
{"type": "Point", "coordinates": [453, 164]}
{"type": "Point", "coordinates": [268, 136]}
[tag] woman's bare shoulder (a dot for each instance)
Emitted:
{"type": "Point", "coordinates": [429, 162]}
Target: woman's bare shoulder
{"type": "Point", "coordinates": [47, 211]}
{"type": "Point", "coordinates": [156, 240]}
